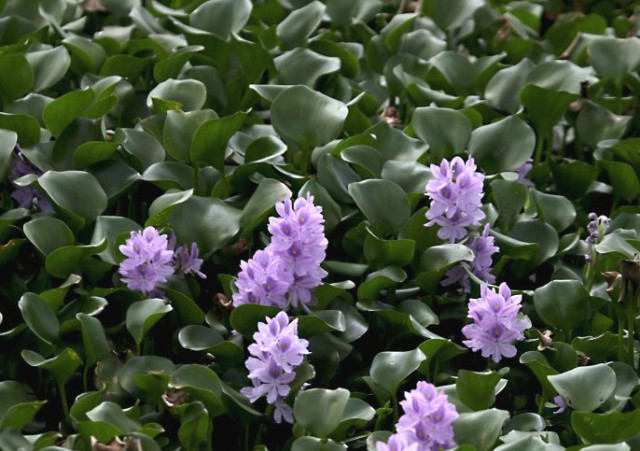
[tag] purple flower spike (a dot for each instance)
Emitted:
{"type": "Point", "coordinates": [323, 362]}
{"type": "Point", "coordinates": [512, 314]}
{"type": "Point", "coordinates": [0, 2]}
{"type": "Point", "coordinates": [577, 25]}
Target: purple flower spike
{"type": "Point", "coordinates": [260, 281]}
{"type": "Point", "coordinates": [456, 197]}
{"type": "Point", "coordinates": [597, 228]}
{"type": "Point", "coordinates": [496, 323]}
{"type": "Point", "coordinates": [148, 262]}
{"type": "Point", "coordinates": [427, 422]}
{"type": "Point", "coordinates": [276, 353]}
{"type": "Point", "coordinates": [187, 262]}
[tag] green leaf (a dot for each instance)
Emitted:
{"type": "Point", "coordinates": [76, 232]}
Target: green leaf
{"type": "Point", "coordinates": [48, 234]}
{"type": "Point", "coordinates": [557, 211]}
{"type": "Point", "coordinates": [595, 123]}
{"type": "Point", "coordinates": [179, 130]}
{"type": "Point", "coordinates": [585, 388]}
{"type": "Point", "coordinates": [163, 207]}
{"type": "Point", "coordinates": [446, 131]}
{"type": "Point", "coordinates": [378, 280]}
{"type": "Point", "coordinates": [296, 112]}
{"type": "Point", "coordinates": [96, 347]}
{"type": "Point", "coordinates": [49, 66]}
{"type": "Point", "coordinates": [63, 110]}
{"type": "Point", "coordinates": [441, 257]}
{"type": "Point", "coordinates": [67, 260]}
{"type": "Point", "coordinates": [536, 231]}
{"type": "Point", "coordinates": [143, 315]}
{"type": "Point", "coordinates": [331, 210]}
{"type": "Point", "coordinates": [92, 152]}
{"type": "Point", "coordinates": [307, 443]}
{"type": "Point", "coordinates": [479, 429]}
{"type": "Point", "coordinates": [509, 198]}
{"type": "Point", "coordinates": [27, 128]}
{"type": "Point", "coordinates": [319, 410]}
{"type": "Point", "coordinates": [142, 366]}
{"type": "Point", "coordinates": [502, 146]}
{"type": "Point", "coordinates": [558, 76]}
{"type": "Point", "coordinates": [207, 221]}
{"type": "Point", "coordinates": [609, 427]}
{"type": "Point", "coordinates": [477, 390]}
{"type": "Point", "coordinates": [382, 202]}
{"type": "Point", "coordinates": [86, 55]}
{"type": "Point", "coordinates": [127, 66]}
{"type": "Point", "coordinates": [611, 57]}
{"type": "Point", "coordinates": [187, 95]}
{"type": "Point", "coordinates": [111, 228]}
{"type": "Point", "coordinates": [77, 193]}
{"type": "Point", "coordinates": [17, 410]}
{"type": "Point", "coordinates": [450, 14]}
{"type": "Point", "coordinates": [61, 366]}
{"type": "Point", "coordinates": [623, 178]}
{"type": "Point", "coordinates": [195, 426]}
{"type": "Point", "coordinates": [202, 384]}
{"type": "Point", "coordinates": [16, 76]}
{"type": "Point", "coordinates": [39, 317]}
{"type": "Point", "coordinates": [221, 17]}
{"type": "Point", "coordinates": [389, 369]}
{"type": "Point", "coordinates": [303, 67]}
{"type": "Point", "coordinates": [563, 303]}
{"type": "Point", "coordinates": [298, 26]}
{"type": "Point", "coordinates": [572, 178]}
{"type": "Point", "coordinates": [380, 253]}
{"type": "Point", "coordinates": [199, 338]}
{"type": "Point", "coordinates": [170, 67]}
{"type": "Point", "coordinates": [261, 203]}
{"type": "Point", "coordinates": [503, 90]}
{"type": "Point", "coordinates": [210, 140]}
{"type": "Point", "coordinates": [111, 413]}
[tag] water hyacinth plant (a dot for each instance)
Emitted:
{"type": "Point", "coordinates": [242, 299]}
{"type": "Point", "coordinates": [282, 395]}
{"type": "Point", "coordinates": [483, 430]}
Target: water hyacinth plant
{"type": "Point", "coordinates": [319, 225]}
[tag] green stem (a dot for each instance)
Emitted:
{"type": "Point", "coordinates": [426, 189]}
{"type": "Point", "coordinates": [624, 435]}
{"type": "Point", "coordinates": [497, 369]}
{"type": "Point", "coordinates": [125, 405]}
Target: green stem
{"type": "Point", "coordinates": [196, 191]}
{"type": "Point", "coordinates": [396, 413]}
{"type": "Point", "coordinates": [630, 340]}
{"type": "Point", "coordinates": [85, 375]}
{"type": "Point", "coordinates": [539, 148]}
{"type": "Point", "coordinates": [62, 392]}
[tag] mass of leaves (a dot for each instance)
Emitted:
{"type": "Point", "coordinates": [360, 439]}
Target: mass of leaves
{"type": "Point", "coordinates": [196, 117]}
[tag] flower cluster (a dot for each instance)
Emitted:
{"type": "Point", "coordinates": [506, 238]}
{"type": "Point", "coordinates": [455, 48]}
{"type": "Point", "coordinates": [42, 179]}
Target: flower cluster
{"type": "Point", "coordinates": [289, 268]}
{"type": "Point", "coordinates": [496, 324]}
{"type": "Point", "coordinates": [427, 422]}
{"type": "Point", "coordinates": [276, 353]}
{"type": "Point", "coordinates": [597, 228]}
{"type": "Point", "coordinates": [151, 259]}
{"type": "Point", "coordinates": [483, 248]}
{"type": "Point", "coordinates": [26, 196]}
{"type": "Point", "coordinates": [456, 197]}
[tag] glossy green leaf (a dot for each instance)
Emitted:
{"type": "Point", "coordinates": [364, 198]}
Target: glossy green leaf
{"type": "Point", "coordinates": [446, 131]}
{"type": "Point", "coordinates": [382, 202]}
{"type": "Point", "coordinates": [623, 178]}
{"type": "Point", "coordinates": [25, 126]}
{"type": "Point", "coordinates": [557, 211]}
{"type": "Point", "coordinates": [63, 110]}
{"type": "Point", "coordinates": [199, 338]}
{"type": "Point", "coordinates": [389, 369]}
{"type": "Point", "coordinates": [67, 260]}
{"type": "Point", "coordinates": [163, 207]}
{"type": "Point", "coordinates": [48, 234]}
{"type": "Point", "coordinates": [319, 410]}
{"type": "Point", "coordinates": [62, 366]}
{"type": "Point", "coordinates": [479, 429]}
{"type": "Point", "coordinates": [39, 317]}
{"type": "Point", "coordinates": [477, 390]}
{"type": "Point", "coordinates": [536, 231]}
{"type": "Point", "coordinates": [49, 66]}
{"type": "Point", "coordinates": [16, 76]}
{"type": "Point", "coordinates": [210, 140]}
{"type": "Point", "coordinates": [143, 315]}
{"type": "Point", "coordinates": [381, 253]}
{"type": "Point", "coordinates": [94, 338]}
{"type": "Point", "coordinates": [611, 427]}
{"type": "Point", "coordinates": [146, 365]}
{"type": "Point", "coordinates": [200, 383]}
{"type": "Point", "coordinates": [179, 129]}
{"type": "Point", "coordinates": [296, 111]}
{"type": "Point", "coordinates": [245, 317]}
{"type": "Point", "coordinates": [503, 90]}
{"type": "Point", "coordinates": [188, 95]}
{"type": "Point", "coordinates": [502, 146]}
{"type": "Point", "coordinates": [449, 15]}
{"type": "Point", "coordinates": [294, 30]}
{"type": "Point", "coordinates": [221, 17]}
{"type": "Point", "coordinates": [261, 203]}
{"type": "Point", "coordinates": [316, 444]}
{"type": "Point", "coordinates": [611, 57]}
{"type": "Point", "coordinates": [585, 388]}
{"type": "Point", "coordinates": [562, 303]}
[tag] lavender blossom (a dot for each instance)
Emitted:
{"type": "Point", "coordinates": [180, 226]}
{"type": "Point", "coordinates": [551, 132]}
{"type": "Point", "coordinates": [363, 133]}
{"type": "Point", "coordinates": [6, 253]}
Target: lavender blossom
{"type": "Point", "coordinates": [496, 323]}
{"type": "Point", "coordinates": [148, 261]}
{"type": "Point", "coordinates": [522, 172]}
{"type": "Point", "coordinates": [276, 352]}
{"type": "Point", "coordinates": [297, 237]}
{"type": "Point", "coordinates": [427, 422]}
{"type": "Point", "coordinates": [186, 262]}
{"type": "Point", "coordinates": [26, 196]}
{"type": "Point", "coordinates": [597, 228]}
{"type": "Point", "coordinates": [560, 403]}
{"type": "Point", "coordinates": [289, 268]}
{"type": "Point", "coordinates": [483, 248]}
{"type": "Point", "coordinates": [456, 197]}
{"type": "Point", "coordinates": [260, 281]}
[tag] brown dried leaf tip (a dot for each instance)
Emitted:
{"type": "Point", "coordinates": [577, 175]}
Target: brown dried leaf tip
{"type": "Point", "coordinates": [391, 116]}
{"type": "Point", "coordinates": [175, 398]}
{"type": "Point", "coordinates": [545, 340]}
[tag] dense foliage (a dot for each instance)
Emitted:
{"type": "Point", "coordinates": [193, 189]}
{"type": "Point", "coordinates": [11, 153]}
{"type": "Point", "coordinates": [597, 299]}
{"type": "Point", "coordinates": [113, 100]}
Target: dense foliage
{"type": "Point", "coordinates": [456, 265]}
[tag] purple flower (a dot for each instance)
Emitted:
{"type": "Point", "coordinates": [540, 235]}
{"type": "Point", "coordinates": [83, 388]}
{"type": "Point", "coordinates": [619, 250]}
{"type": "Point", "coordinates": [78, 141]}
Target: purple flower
{"type": "Point", "coordinates": [483, 248]}
{"type": "Point", "coordinates": [261, 281]}
{"type": "Point", "coordinates": [26, 196]}
{"type": "Point", "coordinates": [496, 323]}
{"type": "Point", "coordinates": [186, 262]}
{"type": "Point", "coordinates": [289, 268]}
{"type": "Point", "coordinates": [276, 352]}
{"type": "Point", "coordinates": [148, 262]}
{"type": "Point", "coordinates": [560, 403]}
{"type": "Point", "coordinates": [597, 228]}
{"type": "Point", "coordinates": [522, 173]}
{"type": "Point", "coordinates": [427, 422]}
{"type": "Point", "coordinates": [456, 197]}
